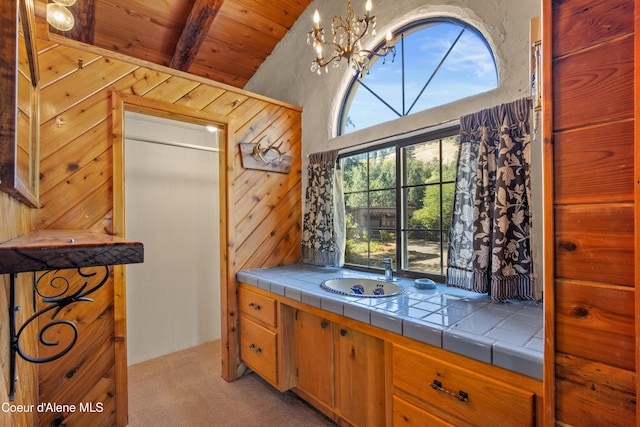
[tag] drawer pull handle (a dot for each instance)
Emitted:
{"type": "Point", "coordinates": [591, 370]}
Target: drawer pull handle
{"type": "Point", "coordinates": [254, 348]}
{"type": "Point", "coordinates": [254, 306]}
{"type": "Point", "coordinates": [461, 395]}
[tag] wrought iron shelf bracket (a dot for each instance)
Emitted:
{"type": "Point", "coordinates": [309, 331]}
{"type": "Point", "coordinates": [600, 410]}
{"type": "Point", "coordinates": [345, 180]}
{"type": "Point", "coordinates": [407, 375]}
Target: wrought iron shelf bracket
{"type": "Point", "coordinates": [51, 257]}
{"type": "Point", "coordinates": [55, 300]}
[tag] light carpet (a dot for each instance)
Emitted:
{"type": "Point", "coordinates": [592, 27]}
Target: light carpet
{"type": "Point", "coordinates": [185, 389]}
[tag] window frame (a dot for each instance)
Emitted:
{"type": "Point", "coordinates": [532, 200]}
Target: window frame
{"type": "Point", "coordinates": [398, 35]}
{"type": "Point", "coordinates": [399, 144]}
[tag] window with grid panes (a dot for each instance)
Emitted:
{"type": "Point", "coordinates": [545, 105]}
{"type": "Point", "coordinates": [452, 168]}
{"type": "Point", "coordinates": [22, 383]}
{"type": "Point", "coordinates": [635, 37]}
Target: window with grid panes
{"type": "Point", "coordinates": [398, 203]}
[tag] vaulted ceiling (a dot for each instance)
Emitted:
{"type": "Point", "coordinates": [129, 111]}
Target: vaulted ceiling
{"type": "Point", "coordinates": [224, 40]}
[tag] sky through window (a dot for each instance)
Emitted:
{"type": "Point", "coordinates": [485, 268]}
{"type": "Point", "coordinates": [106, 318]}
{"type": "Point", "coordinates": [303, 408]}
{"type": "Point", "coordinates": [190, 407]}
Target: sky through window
{"type": "Point", "coordinates": [437, 62]}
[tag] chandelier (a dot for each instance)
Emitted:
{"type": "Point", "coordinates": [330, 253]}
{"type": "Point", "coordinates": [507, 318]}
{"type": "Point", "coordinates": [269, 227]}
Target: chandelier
{"type": "Point", "coordinates": [347, 35]}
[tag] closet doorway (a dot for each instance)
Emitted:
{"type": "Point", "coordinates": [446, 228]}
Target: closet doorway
{"type": "Point", "coordinates": [171, 198]}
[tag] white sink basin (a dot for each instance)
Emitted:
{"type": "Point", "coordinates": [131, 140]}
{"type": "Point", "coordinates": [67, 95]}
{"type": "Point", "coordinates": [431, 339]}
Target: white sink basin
{"type": "Point", "coordinates": [362, 287]}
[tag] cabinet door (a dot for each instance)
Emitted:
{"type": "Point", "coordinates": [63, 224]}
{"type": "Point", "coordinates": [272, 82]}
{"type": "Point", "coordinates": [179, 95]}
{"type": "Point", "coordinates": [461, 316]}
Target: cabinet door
{"type": "Point", "coordinates": [359, 377]}
{"type": "Point", "coordinates": [314, 362]}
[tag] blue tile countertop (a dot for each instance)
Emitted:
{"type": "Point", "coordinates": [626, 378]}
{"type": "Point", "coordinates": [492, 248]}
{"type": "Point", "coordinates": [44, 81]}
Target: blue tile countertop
{"type": "Point", "coordinates": [509, 335]}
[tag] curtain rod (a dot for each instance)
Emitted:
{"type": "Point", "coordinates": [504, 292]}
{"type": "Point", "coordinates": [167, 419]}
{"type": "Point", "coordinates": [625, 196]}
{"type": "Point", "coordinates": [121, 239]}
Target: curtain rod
{"type": "Point", "coordinates": [401, 135]}
{"type": "Point", "coordinates": [408, 134]}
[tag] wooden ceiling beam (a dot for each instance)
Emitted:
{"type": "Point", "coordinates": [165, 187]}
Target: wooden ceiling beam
{"type": "Point", "coordinates": [195, 30]}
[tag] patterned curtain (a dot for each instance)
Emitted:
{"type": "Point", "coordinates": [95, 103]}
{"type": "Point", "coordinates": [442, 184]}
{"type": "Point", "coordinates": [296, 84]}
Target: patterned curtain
{"type": "Point", "coordinates": [323, 234]}
{"type": "Point", "coordinates": [460, 266]}
{"type": "Point", "coordinates": [490, 250]}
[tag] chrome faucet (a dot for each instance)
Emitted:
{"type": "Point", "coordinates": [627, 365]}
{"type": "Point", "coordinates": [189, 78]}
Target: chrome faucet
{"type": "Point", "coordinates": [388, 271]}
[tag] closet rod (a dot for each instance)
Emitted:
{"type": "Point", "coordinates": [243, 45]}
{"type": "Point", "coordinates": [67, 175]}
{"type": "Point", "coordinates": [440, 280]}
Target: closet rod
{"type": "Point", "coordinates": [177, 144]}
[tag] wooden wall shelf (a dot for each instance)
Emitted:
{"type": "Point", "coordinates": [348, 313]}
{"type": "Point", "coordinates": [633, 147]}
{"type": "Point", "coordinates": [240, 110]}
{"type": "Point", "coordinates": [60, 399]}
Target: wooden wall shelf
{"type": "Point", "coordinates": [54, 252]}
{"type": "Point", "coordinates": [60, 249]}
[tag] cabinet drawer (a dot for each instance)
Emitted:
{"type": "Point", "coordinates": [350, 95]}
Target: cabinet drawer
{"type": "Point", "coordinates": [464, 394]}
{"type": "Point", "coordinates": [406, 414]}
{"type": "Point", "coordinates": [259, 307]}
{"type": "Point", "coordinates": [258, 349]}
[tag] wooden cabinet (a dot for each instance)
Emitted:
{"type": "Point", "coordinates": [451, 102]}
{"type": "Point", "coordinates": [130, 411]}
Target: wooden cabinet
{"type": "Point", "coordinates": [342, 368]}
{"type": "Point", "coordinates": [257, 307]}
{"type": "Point", "coordinates": [406, 414]}
{"type": "Point", "coordinates": [314, 363]}
{"type": "Point", "coordinates": [258, 336]}
{"type": "Point", "coordinates": [264, 343]}
{"type": "Point", "coordinates": [363, 376]}
{"type": "Point", "coordinates": [450, 393]}
{"type": "Point", "coordinates": [359, 376]}
{"type": "Point", "coordinates": [259, 349]}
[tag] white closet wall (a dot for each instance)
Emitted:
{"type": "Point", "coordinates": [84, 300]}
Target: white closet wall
{"type": "Point", "coordinates": [172, 206]}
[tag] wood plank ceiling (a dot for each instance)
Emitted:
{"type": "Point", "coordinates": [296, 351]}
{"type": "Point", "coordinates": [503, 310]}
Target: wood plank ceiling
{"type": "Point", "coordinates": [225, 41]}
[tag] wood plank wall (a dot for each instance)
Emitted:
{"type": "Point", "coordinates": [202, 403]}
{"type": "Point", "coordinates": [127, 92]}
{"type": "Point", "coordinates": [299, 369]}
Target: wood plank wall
{"type": "Point", "coordinates": [17, 219]}
{"type": "Point", "coordinates": [592, 60]}
{"type": "Point", "coordinates": [76, 192]}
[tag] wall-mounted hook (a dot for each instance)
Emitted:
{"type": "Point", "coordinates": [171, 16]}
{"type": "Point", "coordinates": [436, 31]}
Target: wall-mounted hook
{"type": "Point", "coordinates": [265, 156]}
{"type": "Point", "coordinates": [269, 154]}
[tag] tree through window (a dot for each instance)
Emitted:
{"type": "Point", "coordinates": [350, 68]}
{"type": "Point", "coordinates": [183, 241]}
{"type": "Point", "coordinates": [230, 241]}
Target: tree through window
{"type": "Point", "coordinates": [398, 203]}
{"type": "Point", "coordinates": [438, 61]}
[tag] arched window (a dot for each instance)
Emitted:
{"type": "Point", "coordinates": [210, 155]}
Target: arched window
{"type": "Point", "coordinates": [438, 61]}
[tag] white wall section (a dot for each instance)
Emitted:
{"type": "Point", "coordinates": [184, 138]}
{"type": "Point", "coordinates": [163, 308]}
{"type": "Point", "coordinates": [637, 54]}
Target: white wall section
{"type": "Point", "coordinates": [172, 206]}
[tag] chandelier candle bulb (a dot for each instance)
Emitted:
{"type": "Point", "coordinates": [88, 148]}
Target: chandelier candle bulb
{"type": "Point", "coordinates": [316, 19]}
{"type": "Point", "coordinates": [367, 7]}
